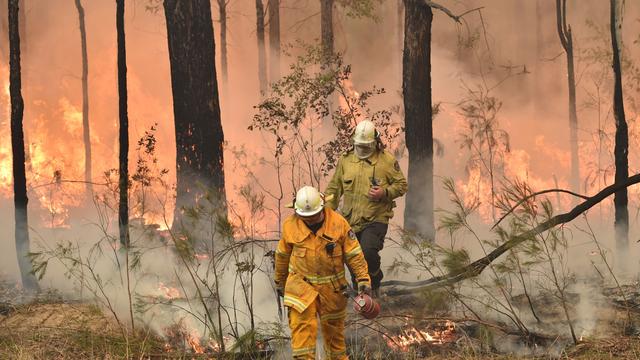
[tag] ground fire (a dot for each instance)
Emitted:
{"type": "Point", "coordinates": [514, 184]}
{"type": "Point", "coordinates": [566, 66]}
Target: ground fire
{"type": "Point", "coordinates": [364, 179]}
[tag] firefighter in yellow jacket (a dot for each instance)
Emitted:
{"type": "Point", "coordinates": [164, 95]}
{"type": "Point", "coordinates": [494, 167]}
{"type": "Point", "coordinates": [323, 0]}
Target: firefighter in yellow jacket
{"type": "Point", "coordinates": [316, 243]}
{"type": "Point", "coordinates": [369, 179]}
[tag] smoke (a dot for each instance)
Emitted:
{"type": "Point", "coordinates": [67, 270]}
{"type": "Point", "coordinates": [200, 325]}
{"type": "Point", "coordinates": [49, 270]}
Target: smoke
{"type": "Point", "coordinates": [523, 67]}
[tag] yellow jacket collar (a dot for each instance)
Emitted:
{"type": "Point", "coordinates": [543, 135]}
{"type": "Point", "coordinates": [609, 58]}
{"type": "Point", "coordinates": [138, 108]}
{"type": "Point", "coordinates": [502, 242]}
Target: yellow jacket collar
{"type": "Point", "coordinates": [328, 229]}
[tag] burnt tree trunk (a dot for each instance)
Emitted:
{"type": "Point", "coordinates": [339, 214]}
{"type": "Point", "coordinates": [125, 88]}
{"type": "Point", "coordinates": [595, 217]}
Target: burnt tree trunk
{"type": "Point", "coordinates": [566, 39]}
{"type": "Point", "coordinates": [222, 8]}
{"type": "Point", "coordinates": [274, 40]}
{"type": "Point", "coordinates": [416, 89]}
{"type": "Point", "coordinates": [262, 54]}
{"type": "Point", "coordinates": [20, 198]}
{"type": "Point", "coordinates": [86, 133]}
{"type": "Point", "coordinates": [23, 27]}
{"type": "Point", "coordinates": [123, 141]}
{"type": "Point", "coordinates": [400, 29]}
{"type": "Point", "coordinates": [621, 150]}
{"type": "Point", "coordinates": [326, 27]}
{"type": "Point", "coordinates": [196, 107]}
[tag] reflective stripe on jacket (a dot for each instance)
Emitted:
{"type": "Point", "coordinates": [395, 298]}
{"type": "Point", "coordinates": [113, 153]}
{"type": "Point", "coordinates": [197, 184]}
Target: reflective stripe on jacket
{"type": "Point", "coordinates": [308, 264]}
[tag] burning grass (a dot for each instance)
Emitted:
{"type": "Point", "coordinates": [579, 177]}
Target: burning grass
{"type": "Point", "coordinates": [50, 328]}
{"type": "Point", "coordinates": [442, 334]}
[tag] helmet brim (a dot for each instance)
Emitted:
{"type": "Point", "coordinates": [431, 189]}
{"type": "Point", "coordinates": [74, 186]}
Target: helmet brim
{"type": "Point", "coordinates": [309, 213]}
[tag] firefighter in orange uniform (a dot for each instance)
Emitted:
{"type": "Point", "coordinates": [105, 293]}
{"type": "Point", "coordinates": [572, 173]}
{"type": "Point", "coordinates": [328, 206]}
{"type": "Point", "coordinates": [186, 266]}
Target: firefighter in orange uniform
{"type": "Point", "coordinates": [316, 243]}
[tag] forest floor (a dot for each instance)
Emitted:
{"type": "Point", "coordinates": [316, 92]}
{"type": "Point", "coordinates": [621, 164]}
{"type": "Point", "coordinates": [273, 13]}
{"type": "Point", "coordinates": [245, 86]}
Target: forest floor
{"type": "Point", "coordinates": [48, 327]}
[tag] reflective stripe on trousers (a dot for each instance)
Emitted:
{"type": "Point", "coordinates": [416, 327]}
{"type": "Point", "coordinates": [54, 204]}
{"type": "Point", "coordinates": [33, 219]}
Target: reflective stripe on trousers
{"type": "Point", "coordinates": [304, 331]}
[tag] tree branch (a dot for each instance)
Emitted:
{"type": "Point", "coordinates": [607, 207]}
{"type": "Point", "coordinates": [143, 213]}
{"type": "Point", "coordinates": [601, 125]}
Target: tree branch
{"type": "Point", "coordinates": [534, 195]}
{"type": "Point", "coordinates": [456, 18]}
{"type": "Point", "coordinates": [560, 21]}
{"type": "Point", "coordinates": [475, 268]}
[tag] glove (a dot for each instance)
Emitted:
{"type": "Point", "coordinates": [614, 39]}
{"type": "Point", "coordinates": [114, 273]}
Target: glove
{"type": "Point", "coordinates": [364, 288]}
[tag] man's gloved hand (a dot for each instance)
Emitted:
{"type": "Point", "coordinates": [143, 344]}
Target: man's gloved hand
{"type": "Point", "coordinates": [364, 288]}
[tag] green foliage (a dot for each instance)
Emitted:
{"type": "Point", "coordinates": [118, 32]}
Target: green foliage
{"type": "Point", "coordinates": [153, 6]}
{"type": "Point", "coordinates": [301, 102]}
{"type": "Point", "coordinates": [455, 260]}
{"type": "Point", "coordinates": [456, 219]}
{"type": "Point", "coordinates": [435, 301]}
{"type": "Point", "coordinates": [360, 8]}
{"type": "Point", "coordinates": [484, 139]}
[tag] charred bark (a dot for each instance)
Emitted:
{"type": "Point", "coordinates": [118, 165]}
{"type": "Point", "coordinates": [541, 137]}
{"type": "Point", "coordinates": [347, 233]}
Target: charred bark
{"type": "Point", "coordinates": [400, 29]}
{"type": "Point", "coordinates": [621, 150]}
{"type": "Point", "coordinates": [326, 27]}
{"type": "Point", "coordinates": [416, 89]}
{"type": "Point", "coordinates": [274, 40]}
{"type": "Point", "coordinates": [123, 138]}
{"type": "Point", "coordinates": [196, 107]}
{"type": "Point", "coordinates": [566, 39]}
{"type": "Point", "coordinates": [20, 198]}
{"type": "Point", "coordinates": [86, 131]}
{"type": "Point", "coordinates": [222, 8]}
{"type": "Point", "coordinates": [262, 55]}
{"type": "Point", "coordinates": [24, 48]}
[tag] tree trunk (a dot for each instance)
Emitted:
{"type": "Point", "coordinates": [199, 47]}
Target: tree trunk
{"type": "Point", "coordinates": [222, 6]}
{"type": "Point", "coordinates": [416, 89]}
{"type": "Point", "coordinates": [538, 100]}
{"type": "Point", "coordinates": [566, 39]}
{"type": "Point", "coordinates": [123, 208]}
{"type": "Point", "coordinates": [262, 55]}
{"type": "Point", "coordinates": [23, 27]}
{"type": "Point", "coordinates": [274, 39]}
{"type": "Point", "coordinates": [326, 27]}
{"type": "Point", "coordinates": [621, 150]}
{"type": "Point", "coordinates": [196, 107]}
{"type": "Point", "coordinates": [86, 133]}
{"type": "Point", "coordinates": [20, 198]}
{"type": "Point", "coordinates": [400, 30]}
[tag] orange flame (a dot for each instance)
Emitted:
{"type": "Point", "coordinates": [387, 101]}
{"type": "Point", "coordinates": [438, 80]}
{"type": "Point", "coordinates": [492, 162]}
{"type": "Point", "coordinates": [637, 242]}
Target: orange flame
{"type": "Point", "coordinates": [194, 341]}
{"type": "Point", "coordinates": [169, 292]}
{"type": "Point", "coordinates": [414, 336]}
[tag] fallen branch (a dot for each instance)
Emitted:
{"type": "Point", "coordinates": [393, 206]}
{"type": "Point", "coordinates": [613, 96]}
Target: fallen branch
{"type": "Point", "coordinates": [523, 200]}
{"type": "Point", "coordinates": [476, 267]}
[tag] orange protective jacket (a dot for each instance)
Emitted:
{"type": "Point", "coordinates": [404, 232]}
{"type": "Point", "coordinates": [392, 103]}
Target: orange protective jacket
{"type": "Point", "coordinates": [304, 265]}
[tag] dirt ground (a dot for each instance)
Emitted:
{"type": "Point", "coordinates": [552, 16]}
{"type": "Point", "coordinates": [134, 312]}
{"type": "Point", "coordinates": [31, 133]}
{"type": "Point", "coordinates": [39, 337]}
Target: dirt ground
{"type": "Point", "coordinates": [48, 327]}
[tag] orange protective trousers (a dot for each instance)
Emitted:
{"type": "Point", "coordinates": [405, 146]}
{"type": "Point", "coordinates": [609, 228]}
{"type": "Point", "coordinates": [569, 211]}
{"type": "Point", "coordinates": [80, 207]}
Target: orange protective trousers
{"type": "Point", "coordinates": [304, 329]}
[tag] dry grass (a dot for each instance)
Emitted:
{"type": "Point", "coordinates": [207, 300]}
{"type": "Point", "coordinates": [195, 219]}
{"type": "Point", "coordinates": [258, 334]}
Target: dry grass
{"type": "Point", "coordinates": [68, 331]}
{"type": "Point", "coordinates": [59, 330]}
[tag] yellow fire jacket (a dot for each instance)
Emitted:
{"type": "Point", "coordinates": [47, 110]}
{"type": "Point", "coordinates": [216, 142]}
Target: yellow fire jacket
{"type": "Point", "coordinates": [353, 178]}
{"type": "Point", "coordinates": [309, 264]}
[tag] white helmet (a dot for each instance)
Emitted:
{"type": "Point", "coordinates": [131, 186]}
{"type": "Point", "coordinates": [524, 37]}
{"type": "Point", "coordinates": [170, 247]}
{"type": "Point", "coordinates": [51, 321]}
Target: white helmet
{"type": "Point", "coordinates": [309, 201]}
{"type": "Point", "coordinates": [365, 133]}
